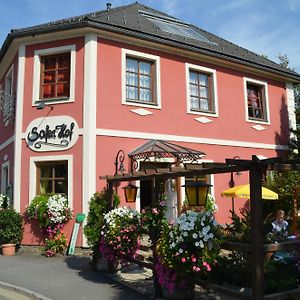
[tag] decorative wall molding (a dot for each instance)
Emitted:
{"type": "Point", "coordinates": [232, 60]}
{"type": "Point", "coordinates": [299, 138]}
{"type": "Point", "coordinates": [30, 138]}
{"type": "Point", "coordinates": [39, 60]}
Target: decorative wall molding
{"type": "Point", "coordinates": [188, 139]}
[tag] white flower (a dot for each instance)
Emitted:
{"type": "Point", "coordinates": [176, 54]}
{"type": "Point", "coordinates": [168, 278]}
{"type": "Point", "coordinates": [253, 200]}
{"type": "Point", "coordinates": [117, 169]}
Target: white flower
{"type": "Point", "coordinates": [180, 250]}
{"type": "Point", "coordinates": [197, 244]}
{"type": "Point", "coordinates": [185, 233]}
{"type": "Point", "coordinates": [195, 235]}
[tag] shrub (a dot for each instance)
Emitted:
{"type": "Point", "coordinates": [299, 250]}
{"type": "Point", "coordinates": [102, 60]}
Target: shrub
{"type": "Point", "coordinates": [11, 226]}
{"type": "Point", "coordinates": [98, 207]}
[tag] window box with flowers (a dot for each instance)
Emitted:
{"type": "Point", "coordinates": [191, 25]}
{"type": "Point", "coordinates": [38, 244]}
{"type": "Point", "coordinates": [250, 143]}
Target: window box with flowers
{"type": "Point", "coordinates": [188, 247]}
{"type": "Point", "coordinates": [52, 213]}
{"type": "Point", "coordinates": [120, 234]}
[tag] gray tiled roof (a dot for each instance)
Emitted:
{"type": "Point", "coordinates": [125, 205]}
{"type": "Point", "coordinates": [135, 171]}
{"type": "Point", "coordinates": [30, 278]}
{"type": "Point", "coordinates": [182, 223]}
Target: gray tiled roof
{"type": "Point", "coordinates": [135, 20]}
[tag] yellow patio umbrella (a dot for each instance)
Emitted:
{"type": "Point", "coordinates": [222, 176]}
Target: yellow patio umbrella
{"type": "Point", "coordinates": [243, 191]}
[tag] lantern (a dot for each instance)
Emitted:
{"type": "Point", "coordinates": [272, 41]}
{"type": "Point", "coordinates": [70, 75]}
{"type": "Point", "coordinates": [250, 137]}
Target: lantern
{"type": "Point", "coordinates": [196, 192]}
{"type": "Point", "coordinates": [130, 191]}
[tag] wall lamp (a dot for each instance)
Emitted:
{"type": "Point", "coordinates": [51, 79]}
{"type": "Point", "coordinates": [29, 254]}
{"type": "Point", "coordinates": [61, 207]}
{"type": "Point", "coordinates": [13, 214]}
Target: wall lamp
{"type": "Point", "coordinates": [42, 105]}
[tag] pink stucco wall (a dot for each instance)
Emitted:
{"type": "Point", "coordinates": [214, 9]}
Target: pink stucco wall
{"type": "Point", "coordinates": [171, 119]}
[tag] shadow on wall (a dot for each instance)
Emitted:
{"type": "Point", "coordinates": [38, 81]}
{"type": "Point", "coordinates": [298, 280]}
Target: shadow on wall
{"type": "Point", "coordinates": [283, 136]}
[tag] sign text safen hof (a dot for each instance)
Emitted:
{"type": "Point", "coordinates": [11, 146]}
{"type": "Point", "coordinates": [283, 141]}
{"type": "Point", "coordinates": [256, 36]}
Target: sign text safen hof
{"type": "Point", "coordinates": [52, 133]}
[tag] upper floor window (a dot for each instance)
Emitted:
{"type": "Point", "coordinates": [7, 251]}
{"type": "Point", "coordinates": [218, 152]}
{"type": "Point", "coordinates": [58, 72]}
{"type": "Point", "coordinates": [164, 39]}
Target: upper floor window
{"type": "Point", "coordinates": [7, 99]}
{"type": "Point", "coordinates": [54, 74]}
{"type": "Point", "coordinates": [141, 79]}
{"type": "Point", "coordinates": [9, 82]}
{"type": "Point", "coordinates": [257, 100]}
{"type": "Point", "coordinates": [201, 90]}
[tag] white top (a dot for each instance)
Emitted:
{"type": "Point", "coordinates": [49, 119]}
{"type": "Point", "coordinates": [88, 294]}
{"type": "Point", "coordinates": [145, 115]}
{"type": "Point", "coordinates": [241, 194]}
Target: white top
{"type": "Point", "coordinates": [279, 226]}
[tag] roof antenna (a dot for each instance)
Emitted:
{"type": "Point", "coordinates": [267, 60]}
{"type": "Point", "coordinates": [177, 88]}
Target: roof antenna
{"type": "Point", "coordinates": [108, 6]}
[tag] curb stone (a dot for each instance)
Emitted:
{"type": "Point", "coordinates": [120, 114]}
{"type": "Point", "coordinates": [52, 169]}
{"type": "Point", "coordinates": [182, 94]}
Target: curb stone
{"type": "Point", "coordinates": [26, 292]}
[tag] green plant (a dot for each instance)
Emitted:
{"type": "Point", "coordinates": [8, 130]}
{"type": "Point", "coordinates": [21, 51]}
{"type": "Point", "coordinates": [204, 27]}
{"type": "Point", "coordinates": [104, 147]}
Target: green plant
{"type": "Point", "coordinates": [3, 201]}
{"type": "Point", "coordinates": [51, 212]}
{"type": "Point", "coordinates": [38, 210]}
{"type": "Point", "coordinates": [190, 245]}
{"type": "Point", "coordinates": [98, 207]}
{"type": "Point", "coordinates": [154, 219]}
{"type": "Point", "coordinates": [239, 229]}
{"type": "Point", "coordinates": [11, 226]}
{"type": "Point", "coordinates": [120, 234]}
{"type": "Point", "coordinates": [233, 269]}
{"type": "Point", "coordinates": [56, 245]}
{"type": "Point", "coordinates": [281, 276]}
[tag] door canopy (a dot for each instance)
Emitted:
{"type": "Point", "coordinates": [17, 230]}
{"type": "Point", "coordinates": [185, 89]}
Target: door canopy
{"type": "Point", "coordinates": [163, 149]}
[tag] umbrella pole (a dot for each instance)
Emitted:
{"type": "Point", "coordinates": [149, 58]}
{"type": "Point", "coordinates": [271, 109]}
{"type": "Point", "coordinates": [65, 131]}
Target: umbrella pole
{"type": "Point", "coordinates": [232, 200]}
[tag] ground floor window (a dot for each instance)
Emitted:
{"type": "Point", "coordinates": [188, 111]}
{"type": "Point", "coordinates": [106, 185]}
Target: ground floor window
{"type": "Point", "coordinates": [52, 177]}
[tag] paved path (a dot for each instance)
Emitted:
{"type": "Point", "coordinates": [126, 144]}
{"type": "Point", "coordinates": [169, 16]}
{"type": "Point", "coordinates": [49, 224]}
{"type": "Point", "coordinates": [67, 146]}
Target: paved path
{"type": "Point", "coordinates": [61, 278]}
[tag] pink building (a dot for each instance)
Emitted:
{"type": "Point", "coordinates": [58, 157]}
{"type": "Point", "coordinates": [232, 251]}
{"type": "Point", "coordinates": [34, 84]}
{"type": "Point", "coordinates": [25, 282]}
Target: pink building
{"type": "Point", "coordinates": [76, 91]}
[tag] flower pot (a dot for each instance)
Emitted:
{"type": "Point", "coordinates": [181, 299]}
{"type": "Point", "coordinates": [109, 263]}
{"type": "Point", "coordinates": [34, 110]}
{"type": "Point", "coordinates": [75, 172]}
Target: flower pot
{"type": "Point", "coordinates": [8, 249]}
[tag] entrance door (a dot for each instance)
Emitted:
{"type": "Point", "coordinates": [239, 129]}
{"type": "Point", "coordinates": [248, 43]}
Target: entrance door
{"type": "Point", "coordinates": [168, 188]}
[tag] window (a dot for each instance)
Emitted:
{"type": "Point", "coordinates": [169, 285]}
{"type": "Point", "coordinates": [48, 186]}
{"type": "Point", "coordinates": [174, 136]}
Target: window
{"type": "Point", "coordinates": [52, 177]}
{"type": "Point", "coordinates": [257, 101]}
{"type": "Point", "coordinates": [8, 89]}
{"type": "Point", "coordinates": [55, 76]}
{"type": "Point", "coordinates": [4, 177]}
{"type": "Point", "coordinates": [201, 90]}
{"type": "Point", "coordinates": [141, 79]}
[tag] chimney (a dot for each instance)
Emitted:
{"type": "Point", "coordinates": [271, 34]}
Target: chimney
{"type": "Point", "coordinates": [108, 6]}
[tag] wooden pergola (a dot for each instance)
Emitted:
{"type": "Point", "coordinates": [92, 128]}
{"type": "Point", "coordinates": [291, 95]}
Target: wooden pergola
{"type": "Point", "coordinates": [256, 169]}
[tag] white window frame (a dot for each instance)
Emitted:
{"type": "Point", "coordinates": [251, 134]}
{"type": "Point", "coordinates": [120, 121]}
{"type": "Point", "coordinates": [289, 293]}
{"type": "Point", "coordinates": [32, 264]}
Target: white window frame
{"type": "Point", "coordinates": [142, 55]}
{"type": "Point", "coordinates": [264, 84]}
{"type": "Point", "coordinates": [33, 174]}
{"type": "Point", "coordinates": [5, 165]}
{"type": "Point", "coordinates": [37, 74]}
{"type": "Point", "coordinates": [190, 67]}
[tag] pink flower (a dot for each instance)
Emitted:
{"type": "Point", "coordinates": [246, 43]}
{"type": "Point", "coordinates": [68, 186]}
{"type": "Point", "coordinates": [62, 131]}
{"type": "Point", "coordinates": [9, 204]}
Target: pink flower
{"type": "Point", "coordinates": [183, 259]}
{"type": "Point", "coordinates": [194, 259]}
{"type": "Point", "coordinates": [207, 266]}
{"type": "Point", "coordinates": [155, 211]}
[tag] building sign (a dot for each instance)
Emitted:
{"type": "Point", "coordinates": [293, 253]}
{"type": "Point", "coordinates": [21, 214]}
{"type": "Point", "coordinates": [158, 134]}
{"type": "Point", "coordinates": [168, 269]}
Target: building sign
{"type": "Point", "coordinates": [52, 133]}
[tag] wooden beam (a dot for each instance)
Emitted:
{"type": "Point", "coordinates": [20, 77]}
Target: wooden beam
{"type": "Point", "coordinates": [257, 253]}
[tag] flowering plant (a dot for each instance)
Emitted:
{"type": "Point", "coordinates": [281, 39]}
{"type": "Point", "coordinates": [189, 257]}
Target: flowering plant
{"type": "Point", "coordinates": [52, 214]}
{"type": "Point", "coordinates": [3, 201]}
{"type": "Point", "coordinates": [153, 218]}
{"type": "Point", "coordinates": [187, 247]}
{"type": "Point", "coordinates": [120, 234]}
{"type": "Point", "coordinates": [55, 245]}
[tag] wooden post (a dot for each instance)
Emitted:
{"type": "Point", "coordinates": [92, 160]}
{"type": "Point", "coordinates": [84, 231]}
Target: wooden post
{"type": "Point", "coordinates": [110, 195]}
{"type": "Point", "coordinates": [257, 253]}
{"type": "Point", "coordinates": [157, 292]}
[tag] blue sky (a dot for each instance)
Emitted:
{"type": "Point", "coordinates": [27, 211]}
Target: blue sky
{"type": "Point", "coordinates": [266, 27]}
